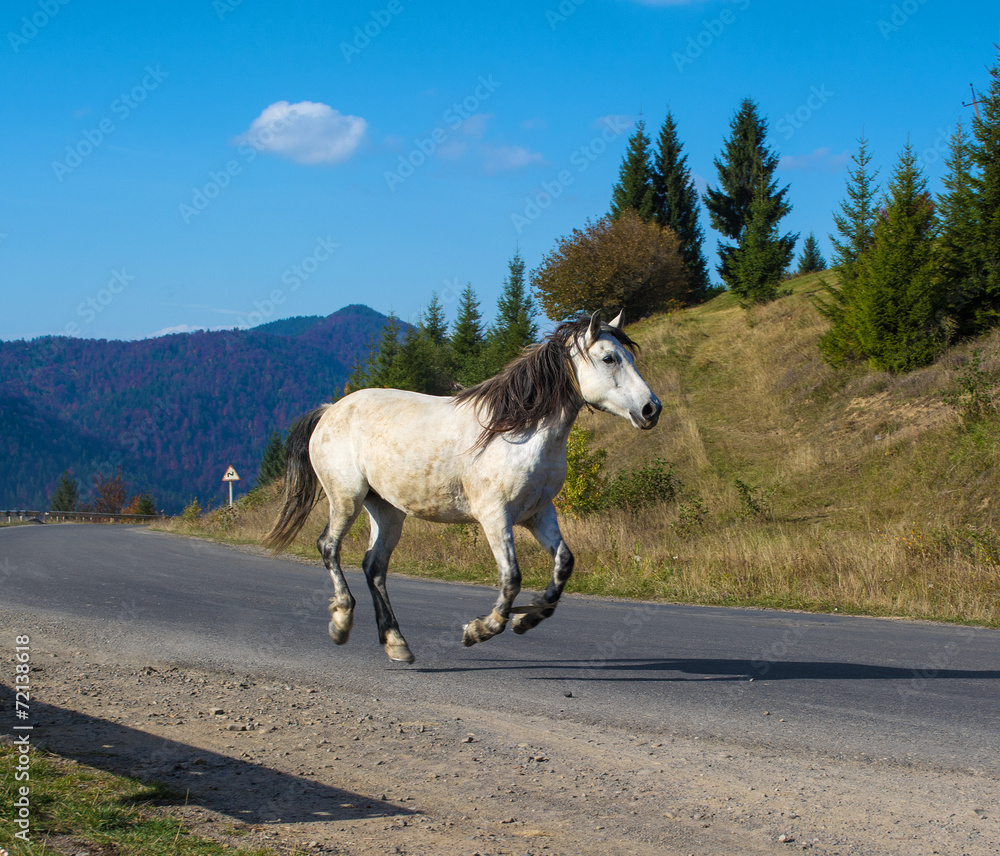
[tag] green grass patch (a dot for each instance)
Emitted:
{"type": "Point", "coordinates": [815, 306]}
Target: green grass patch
{"type": "Point", "coordinates": [102, 809]}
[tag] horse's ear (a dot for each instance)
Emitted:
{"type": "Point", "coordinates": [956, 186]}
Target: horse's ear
{"type": "Point", "coordinates": [618, 322]}
{"type": "Point", "coordinates": [595, 328]}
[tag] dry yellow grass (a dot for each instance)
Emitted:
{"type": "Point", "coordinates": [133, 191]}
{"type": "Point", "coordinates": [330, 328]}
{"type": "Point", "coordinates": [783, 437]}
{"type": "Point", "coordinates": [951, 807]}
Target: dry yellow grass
{"type": "Point", "coordinates": [869, 493]}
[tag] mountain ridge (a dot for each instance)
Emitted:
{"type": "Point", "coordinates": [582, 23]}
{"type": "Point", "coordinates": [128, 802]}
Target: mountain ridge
{"type": "Point", "coordinates": [170, 410]}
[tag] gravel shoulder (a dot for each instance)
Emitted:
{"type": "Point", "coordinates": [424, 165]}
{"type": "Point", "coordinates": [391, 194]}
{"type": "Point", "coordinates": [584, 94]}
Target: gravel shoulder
{"type": "Point", "coordinates": [327, 769]}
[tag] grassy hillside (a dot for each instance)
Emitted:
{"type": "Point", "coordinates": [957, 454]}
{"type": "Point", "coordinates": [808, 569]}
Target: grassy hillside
{"type": "Point", "coordinates": [803, 487]}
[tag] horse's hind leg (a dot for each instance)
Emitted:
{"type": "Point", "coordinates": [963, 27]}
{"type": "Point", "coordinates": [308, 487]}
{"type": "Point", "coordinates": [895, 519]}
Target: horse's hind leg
{"type": "Point", "coordinates": [344, 510]}
{"type": "Point", "coordinates": [386, 527]}
{"type": "Point", "coordinates": [545, 527]}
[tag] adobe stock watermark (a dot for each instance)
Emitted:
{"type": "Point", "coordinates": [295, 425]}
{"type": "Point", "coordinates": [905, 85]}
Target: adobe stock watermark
{"type": "Point", "coordinates": [938, 149]}
{"type": "Point", "coordinates": [712, 29]}
{"type": "Point", "coordinates": [219, 180]}
{"type": "Point", "coordinates": [378, 20]}
{"type": "Point", "coordinates": [31, 27]}
{"type": "Point", "coordinates": [96, 303]}
{"type": "Point", "coordinates": [223, 8]}
{"type": "Point", "coordinates": [88, 310]}
{"type": "Point", "coordinates": [292, 279]}
{"type": "Point", "coordinates": [425, 147]}
{"type": "Point", "coordinates": [900, 17]}
{"type": "Point", "coordinates": [943, 659]}
{"type": "Point", "coordinates": [580, 160]}
{"type": "Point", "coordinates": [792, 122]}
{"type": "Point", "coordinates": [122, 107]}
{"type": "Point", "coordinates": [562, 13]}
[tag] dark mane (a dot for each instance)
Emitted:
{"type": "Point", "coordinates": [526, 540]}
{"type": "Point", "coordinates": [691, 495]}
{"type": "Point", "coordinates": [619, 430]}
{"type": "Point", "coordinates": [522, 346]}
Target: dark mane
{"type": "Point", "coordinates": [534, 386]}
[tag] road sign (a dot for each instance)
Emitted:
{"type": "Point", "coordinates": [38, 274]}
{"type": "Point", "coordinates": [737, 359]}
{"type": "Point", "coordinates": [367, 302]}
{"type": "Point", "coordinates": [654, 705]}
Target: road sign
{"type": "Point", "coordinates": [230, 477]}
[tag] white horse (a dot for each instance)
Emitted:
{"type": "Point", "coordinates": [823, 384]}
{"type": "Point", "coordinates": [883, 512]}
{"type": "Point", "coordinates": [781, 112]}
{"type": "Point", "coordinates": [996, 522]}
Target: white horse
{"type": "Point", "coordinates": [493, 454]}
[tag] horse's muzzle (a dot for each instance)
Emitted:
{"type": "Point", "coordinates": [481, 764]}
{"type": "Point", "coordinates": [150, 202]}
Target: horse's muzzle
{"type": "Point", "coordinates": [650, 414]}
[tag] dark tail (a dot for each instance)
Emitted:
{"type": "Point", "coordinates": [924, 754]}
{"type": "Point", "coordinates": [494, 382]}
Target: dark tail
{"type": "Point", "coordinates": [301, 484]}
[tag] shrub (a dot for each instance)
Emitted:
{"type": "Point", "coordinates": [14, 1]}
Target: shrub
{"type": "Point", "coordinates": [587, 490]}
{"type": "Point", "coordinates": [755, 501]}
{"type": "Point", "coordinates": [583, 491]}
{"type": "Point", "coordinates": [974, 398]}
{"type": "Point", "coordinates": [192, 512]}
{"type": "Point", "coordinates": [651, 483]}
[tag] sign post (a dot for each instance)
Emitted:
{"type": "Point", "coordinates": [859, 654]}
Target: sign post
{"type": "Point", "coordinates": [230, 477]}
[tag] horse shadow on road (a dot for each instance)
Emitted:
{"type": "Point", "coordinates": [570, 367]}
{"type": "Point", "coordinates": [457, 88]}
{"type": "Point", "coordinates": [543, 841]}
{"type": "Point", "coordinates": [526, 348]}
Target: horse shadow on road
{"type": "Point", "coordinates": [245, 791]}
{"type": "Point", "coordinates": [723, 669]}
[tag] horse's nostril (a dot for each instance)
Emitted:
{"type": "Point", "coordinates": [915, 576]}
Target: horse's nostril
{"type": "Point", "coordinates": [648, 410]}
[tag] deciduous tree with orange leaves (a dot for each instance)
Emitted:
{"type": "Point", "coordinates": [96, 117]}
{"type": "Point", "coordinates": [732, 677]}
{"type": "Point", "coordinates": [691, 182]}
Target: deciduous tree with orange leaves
{"type": "Point", "coordinates": [613, 264]}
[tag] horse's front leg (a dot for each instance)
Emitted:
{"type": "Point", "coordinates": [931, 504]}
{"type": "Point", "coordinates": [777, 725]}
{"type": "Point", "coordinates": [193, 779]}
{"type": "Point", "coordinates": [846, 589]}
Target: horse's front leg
{"type": "Point", "coordinates": [545, 527]}
{"type": "Point", "coordinates": [500, 535]}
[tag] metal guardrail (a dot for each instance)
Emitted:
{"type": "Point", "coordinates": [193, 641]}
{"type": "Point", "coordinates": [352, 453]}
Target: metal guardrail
{"type": "Point", "coordinates": [21, 516]}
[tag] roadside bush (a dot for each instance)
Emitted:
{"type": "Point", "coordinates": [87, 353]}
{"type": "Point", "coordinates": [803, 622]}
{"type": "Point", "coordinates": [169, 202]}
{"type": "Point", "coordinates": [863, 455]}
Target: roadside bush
{"type": "Point", "coordinates": [651, 483]}
{"type": "Point", "coordinates": [583, 491]}
{"type": "Point", "coordinates": [588, 490]}
{"type": "Point", "coordinates": [192, 512]}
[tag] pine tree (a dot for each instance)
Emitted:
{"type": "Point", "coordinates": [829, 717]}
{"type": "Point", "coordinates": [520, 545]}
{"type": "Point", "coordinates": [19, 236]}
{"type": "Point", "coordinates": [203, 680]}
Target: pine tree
{"type": "Point", "coordinates": [759, 260]}
{"type": "Point", "coordinates": [746, 162]}
{"type": "Point", "coordinates": [896, 297]}
{"type": "Point", "coordinates": [855, 226]}
{"type": "Point", "coordinates": [958, 260]}
{"type": "Point", "coordinates": [675, 204]}
{"type": "Point", "coordinates": [422, 363]}
{"type": "Point", "coordinates": [146, 504]}
{"type": "Point", "coordinates": [514, 327]}
{"type": "Point", "coordinates": [635, 186]}
{"type": "Point", "coordinates": [811, 259]}
{"type": "Point", "coordinates": [856, 221]}
{"type": "Point", "coordinates": [417, 363]}
{"type": "Point", "coordinates": [66, 494]}
{"type": "Point", "coordinates": [381, 367]}
{"type": "Point", "coordinates": [272, 464]}
{"type": "Point", "coordinates": [468, 340]}
{"type": "Point", "coordinates": [986, 157]}
{"type": "Point", "coordinates": [433, 322]}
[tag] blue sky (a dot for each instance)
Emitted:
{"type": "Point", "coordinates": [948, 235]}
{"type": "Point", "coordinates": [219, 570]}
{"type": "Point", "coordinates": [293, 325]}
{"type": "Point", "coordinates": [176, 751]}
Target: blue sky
{"type": "Point", "coordinates": [201, 164]}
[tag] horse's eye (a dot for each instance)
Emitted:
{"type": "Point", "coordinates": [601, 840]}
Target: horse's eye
{"type": "Point", "coordinates": [609, 359]}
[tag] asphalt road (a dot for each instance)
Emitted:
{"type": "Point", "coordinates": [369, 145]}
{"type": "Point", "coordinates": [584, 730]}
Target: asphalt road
{"type": "Point", "coordinates": [836, 685]}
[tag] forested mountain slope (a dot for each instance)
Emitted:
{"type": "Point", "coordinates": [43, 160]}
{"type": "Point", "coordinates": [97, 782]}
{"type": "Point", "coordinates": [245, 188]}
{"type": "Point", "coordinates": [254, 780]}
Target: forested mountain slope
{"type": "Point", "coordinates": [174, 411]}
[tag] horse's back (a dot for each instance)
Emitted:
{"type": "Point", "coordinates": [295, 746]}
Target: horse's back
{"type": "Point", "coordinates": [407, 447]}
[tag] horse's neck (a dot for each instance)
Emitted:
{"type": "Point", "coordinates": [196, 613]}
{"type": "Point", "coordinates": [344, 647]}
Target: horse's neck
{"type": "Point", "coordinates": [554, 432]}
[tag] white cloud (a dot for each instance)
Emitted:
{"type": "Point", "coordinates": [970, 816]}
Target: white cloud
{"type": "Point", "coordinates": [820, 159]}
{"type": "Point", "coordinates": [177, 328]}
{"type": "Point", "coordinates": [614, 120]}
{"type": "Point", "coordinates": [498, 158]}
{"type": "Point", "coordinates": [475, 125]}
{"type": "Point", "coordinates": [307, 132]}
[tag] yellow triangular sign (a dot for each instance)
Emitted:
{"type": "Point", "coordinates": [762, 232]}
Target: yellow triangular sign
{"type": "Point", "coordinates": [231, 475]}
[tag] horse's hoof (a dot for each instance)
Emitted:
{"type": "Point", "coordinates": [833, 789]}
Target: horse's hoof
{"type": "Point", "coordinates": [400, 653]}
{"type": "Point", "coordinates": [479, 630]}
{"type": "Point", "coordinates": [337, 633]}
{"type": "Point", "coordinates": [471, 635]}
{"type": "Point", "coordinates": [396, 647]}
{"type": "Point", "coordinates": [524, 623]}
{"type": "Point", "coordinates": [532, 616]}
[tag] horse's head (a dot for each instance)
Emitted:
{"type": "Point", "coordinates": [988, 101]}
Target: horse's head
{"type": "Point", "coordinates": [607, 377]}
